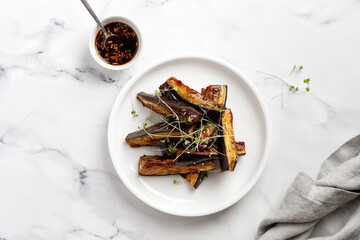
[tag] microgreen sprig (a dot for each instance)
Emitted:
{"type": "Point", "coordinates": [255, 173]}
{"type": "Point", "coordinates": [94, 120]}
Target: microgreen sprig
{"type": "Point", "coordinates": [133, 112]}
{"type": "Point", "coordinates": [285, 82]}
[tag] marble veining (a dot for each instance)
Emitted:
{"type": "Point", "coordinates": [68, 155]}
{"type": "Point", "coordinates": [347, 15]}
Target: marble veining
{"type": "Point", "coordinates": [56, 177]}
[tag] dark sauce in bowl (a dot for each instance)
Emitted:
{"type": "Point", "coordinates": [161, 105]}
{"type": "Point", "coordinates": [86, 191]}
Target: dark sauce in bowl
{"type": "Point", "coordinates": [118, 51]}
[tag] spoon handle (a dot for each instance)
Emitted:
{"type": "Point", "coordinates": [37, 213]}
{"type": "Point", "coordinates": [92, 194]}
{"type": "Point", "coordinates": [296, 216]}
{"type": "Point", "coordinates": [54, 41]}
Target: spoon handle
{"type": "Point", "coordinates": [92, 13]}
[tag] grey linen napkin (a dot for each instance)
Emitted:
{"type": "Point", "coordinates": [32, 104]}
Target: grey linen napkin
{"type": "Point", "coordinates": [328, 208]}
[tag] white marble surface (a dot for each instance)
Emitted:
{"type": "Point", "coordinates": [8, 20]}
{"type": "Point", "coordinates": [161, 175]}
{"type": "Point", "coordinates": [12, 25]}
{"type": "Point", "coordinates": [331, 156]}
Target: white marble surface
{"type": "Point", "coordinates": [56, 177]}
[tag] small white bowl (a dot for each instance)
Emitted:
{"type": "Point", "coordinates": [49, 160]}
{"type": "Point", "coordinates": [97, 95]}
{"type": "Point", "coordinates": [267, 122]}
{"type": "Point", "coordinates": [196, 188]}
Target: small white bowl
{"type": "Point", "coordinates": [98, 58]}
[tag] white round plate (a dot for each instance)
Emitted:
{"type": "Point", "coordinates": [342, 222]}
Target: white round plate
{"type": "Point", "coordinates": [219, 190]}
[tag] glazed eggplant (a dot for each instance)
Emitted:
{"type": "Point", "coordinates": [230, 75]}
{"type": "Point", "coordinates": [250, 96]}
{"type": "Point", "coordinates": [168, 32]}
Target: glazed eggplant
{"type": "Point", "coordinates": [170, 107]}
{"type": "Point", "coordinates": [204, 121]}
{"type": "Point", "coordinates": [194, 98]}
{"type": "Point", "coordinates": [158, 166]}
{"type": "Point", "coordinates": [166, 92]}
{"type": "Point", "coordinates": [216, 93]}
{"type": "Point", "coordinates": [240, 146]}
{"type": "Point", "coordinates": [227, 144]}
{"type": "Point", "coordinates": [153, 135]}
{"type": "Point", "coordinates": [187, 157]}
{"type": "Point", "coordinates": [195, 179]}
{"type": "Point", "coordinates": [207, 131]}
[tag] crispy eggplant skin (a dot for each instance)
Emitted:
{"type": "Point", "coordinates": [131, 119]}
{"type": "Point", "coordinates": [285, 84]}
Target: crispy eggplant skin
{"type": "Point", "coordinates": [165, 92]}
{"type": "Point", "coordinates": [240, 146]}
{"type": "Point", "coordinates": [227, 143]}
{"type": "Point", "coordinates": [155, 133]}
{"type": "Point", "coordinates": [195, 179]}
{"type": "Point", "coordinates": [200, 179]}
{"type": "Point", "coordinates": [216, 93]}
{"type": "Point", "coordinates": [187, 157]}
{"type": "Point", "coordinates": [191, 96]}
{"type": "Point", "coordinates": [163, 106]}
{"type": "Point", "coordinates": [158, 166]}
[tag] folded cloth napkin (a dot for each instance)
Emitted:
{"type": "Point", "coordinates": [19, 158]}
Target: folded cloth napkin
{"type": "Point", "coordinates": [328, 208]}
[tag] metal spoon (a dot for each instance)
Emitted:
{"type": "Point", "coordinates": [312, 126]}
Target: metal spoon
{"type": "Point", "coordinates": [108, 36]}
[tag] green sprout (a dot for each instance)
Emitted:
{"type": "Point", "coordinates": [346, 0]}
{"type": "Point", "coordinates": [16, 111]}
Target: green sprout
{"type": "Point", "coordinates": [157, 93]}
{"type": "Point", "coordinates": [133, 112]}
{"type": "Point", "coordinates": [172, 149]}
{"type": "Point", "coordinates": [291, 87]}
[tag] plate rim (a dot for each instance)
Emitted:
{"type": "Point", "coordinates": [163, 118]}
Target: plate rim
{"type": "Point", "coordinates": [264, 111]}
